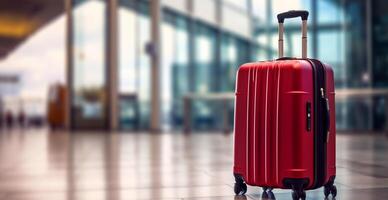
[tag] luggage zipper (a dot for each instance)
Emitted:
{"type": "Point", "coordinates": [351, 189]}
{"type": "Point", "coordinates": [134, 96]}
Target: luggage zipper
{"type": "Point", "coordinates": [320, 142]}
{"type": "Point", "coordinates": [319, 136]}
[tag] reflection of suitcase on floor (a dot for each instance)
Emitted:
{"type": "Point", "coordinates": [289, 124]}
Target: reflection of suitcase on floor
{"type": "Point", "coordinates": [285, 122]}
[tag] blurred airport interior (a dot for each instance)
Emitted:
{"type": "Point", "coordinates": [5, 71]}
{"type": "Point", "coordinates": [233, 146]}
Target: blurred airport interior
{"type": "Point", "coordinates": [171, 64]}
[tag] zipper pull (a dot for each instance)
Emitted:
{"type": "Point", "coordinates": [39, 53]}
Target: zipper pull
{"type": "Point", "coordinates": [322, 93]}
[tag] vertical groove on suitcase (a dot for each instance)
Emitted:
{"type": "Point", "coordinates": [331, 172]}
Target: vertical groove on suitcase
{"type": "Point", "coordinates": [272, 128]}
{"type": "Point", "coordinates": [252, 128]}
{"type": "Point", "coordinates": [248, 174]}
{"type": "Point", "coordinates": [253, 140]}
{"type": "Point", "coordinates": [270, 119]}
{"type": "Point", "coordinates": [277, 124]}
{"type": "Point", "coordinates": [260, 123]}
{"type": "Point", "coordinates": [255, 150]}
{"type": "Point", "coordinates": [266, 128]}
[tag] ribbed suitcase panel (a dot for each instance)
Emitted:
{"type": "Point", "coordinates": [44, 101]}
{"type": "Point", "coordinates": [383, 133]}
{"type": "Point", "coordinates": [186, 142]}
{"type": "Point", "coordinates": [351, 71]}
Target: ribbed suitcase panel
{"type": "Point", "coordinates": [262, 127]}
{"type": "Point", "coordinates": [252, 126]}
{"type": "Point", "coordinates": [252, 146]}
{"type": "Point", "coordinates": [249, 129]}
{"type": "Point", "coordinates": [272, 117]}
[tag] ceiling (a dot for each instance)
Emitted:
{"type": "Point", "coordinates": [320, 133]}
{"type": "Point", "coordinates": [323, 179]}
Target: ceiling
{"type": "Point", "coordinates": [19, 19]}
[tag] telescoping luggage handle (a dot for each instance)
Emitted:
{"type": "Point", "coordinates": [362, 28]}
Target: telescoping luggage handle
{"type": "Point", "coordinates": [292, 14]}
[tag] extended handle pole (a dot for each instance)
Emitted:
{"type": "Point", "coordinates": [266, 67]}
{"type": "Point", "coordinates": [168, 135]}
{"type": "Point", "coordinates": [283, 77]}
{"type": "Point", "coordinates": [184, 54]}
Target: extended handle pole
{"type": "Point", "coordinates": [291, 14]}
{"type": "Point", "coordinates": [304, 39]}
{"type": "Point", "coordinates": [281, 41]}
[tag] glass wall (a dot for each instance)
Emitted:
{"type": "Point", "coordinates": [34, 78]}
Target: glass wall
{"type": "Point", "coordinates": [337, 36]}
{"type": "Point", "coordinates": [186, 66]}
{"type": "Point", "coordinates": [134, 64]}
{"type": "Point", "coordinates": [128, 70]}
{"type": "Point", "coordinates": [234, 52]}
{"type": "Point", "coordinates": [205, 71]}
{"type": "Point", "coordinates": [201, 58]}
{"type": "Point", "coordinates": [175, 80]}
{"type": "Point", "coordinates": [380, 61]}
{"type": "Point", "coordinates": [144, 64]}
{"type": "Point", "coordinates": [89, 97]}
{"type": "Point", "coordinates": [380, 43]}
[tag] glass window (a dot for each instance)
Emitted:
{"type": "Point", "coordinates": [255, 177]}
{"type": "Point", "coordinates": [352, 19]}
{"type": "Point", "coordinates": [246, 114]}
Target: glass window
{"type": "Point", "coordinates": [144, 64]}
{"type": "Point", "coordinates": [174, 68]}
{"type": "Point", "coordinates": [128, 68]}
{"type": "Point", "coordinates": [234, 52]}
{"type": "Point", "coordinates": [205, 79]}
{"type": "Point", "coordinates": [228, 62]}
{"type": "Point", "coordinates": [333, 53]}
{"type": "Point", "coordinates": [180, 82]}
{"type": "Point", "coordinates": [168, 35]}
{"type": "Point", "coordinates": [204, 59]}
{"type": "Point", "coordinates": [380, 43]}
{"type": "Point", "coordinates": [134, 64]}
{"type": "Point", "coordinates": [240, 4]}
{"type": "Point", "coordinates": [89, 84]}
{"type": "Point", "coordinates": [259, 9]}
{"type": "Point", "coordinates": [355, 41]}
{"type": "Point", "coordinates": [330, 11]}
{"type": "Point", "coordinates": [127, 51]}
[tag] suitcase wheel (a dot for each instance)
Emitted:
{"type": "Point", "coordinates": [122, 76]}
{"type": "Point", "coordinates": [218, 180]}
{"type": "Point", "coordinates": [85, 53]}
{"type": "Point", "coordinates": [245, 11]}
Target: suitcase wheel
{"type": "Point", "coordinates": [240, 188]}
{"type": "Point", "coordinates": [298, 194]}
{"type": "Point", "coordinates": [298, 191]}
{"type": "Point", "coordinates": [267, 193]}
{"type": "Point", "coordinates": [330, 189]}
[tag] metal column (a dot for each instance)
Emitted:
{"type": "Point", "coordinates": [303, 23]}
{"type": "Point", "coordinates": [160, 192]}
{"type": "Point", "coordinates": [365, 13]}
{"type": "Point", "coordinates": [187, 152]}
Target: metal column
{"type": "Point", "coordinates": [155, 53]}
{"type": "Point", "coordinates": [69, 61]}
{"type": "Point", "coordinates": [112, 65]}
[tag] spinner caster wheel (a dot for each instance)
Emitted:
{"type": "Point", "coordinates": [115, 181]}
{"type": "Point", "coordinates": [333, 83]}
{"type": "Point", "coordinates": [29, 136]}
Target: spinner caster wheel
{"type": "Point", "coordinates": [240, 188]}
{"type": "Point", "coordinates": [296, 195]}
{"type": "Point", "coordinates": [303, 195]}
{"type": "Point", "coordinates": [334, 191]}
{"type": "Point", "coordinates": [270, 194]}
{"type": "Point", "coordinates": [330, 189]}
{"type": "Point", "coordinates": [264, 195]}
{"type": "Point", "coordinates": [326, 191]}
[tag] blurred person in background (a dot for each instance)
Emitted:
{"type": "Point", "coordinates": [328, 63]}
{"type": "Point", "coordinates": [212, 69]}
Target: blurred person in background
{"type": "Point", "coordinates": [1, 115]}
{"type": "Point", "coordinates": [22, 118]}
{"type": "Point", "coordinates": [9, 119]}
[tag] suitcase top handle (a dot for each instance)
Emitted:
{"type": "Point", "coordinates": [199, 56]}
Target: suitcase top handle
{"type": "Point", "coordinates": [304, 14]}
{"type": "Point", "coordinates": [292, 14]}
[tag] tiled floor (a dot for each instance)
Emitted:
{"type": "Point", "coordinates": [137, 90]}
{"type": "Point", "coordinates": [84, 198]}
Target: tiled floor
{"type": "Point", "coordinates": [43, 165]}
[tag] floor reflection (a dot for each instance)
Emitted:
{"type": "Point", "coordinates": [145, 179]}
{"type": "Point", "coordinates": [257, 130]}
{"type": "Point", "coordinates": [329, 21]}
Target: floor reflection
{"type": "Point", "coordinates": [38, 164]}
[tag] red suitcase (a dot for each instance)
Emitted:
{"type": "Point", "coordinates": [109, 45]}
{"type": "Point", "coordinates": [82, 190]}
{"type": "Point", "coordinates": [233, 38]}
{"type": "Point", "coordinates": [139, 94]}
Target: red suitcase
{"type": "Point", "coordinates": [285, 123]}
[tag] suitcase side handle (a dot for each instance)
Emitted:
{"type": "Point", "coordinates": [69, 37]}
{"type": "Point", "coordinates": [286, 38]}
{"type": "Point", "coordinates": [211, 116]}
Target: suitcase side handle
{"type": "Point", "coordinates": [292, 14]}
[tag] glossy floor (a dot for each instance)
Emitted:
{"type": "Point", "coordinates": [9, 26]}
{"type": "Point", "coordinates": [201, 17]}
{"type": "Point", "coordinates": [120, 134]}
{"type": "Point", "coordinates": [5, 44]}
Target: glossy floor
{"type": "Point", "coordinates": [43, 165]}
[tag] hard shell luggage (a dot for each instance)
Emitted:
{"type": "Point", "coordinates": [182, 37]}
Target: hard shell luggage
{"type": "Point", "coordinates": [285, 122]}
